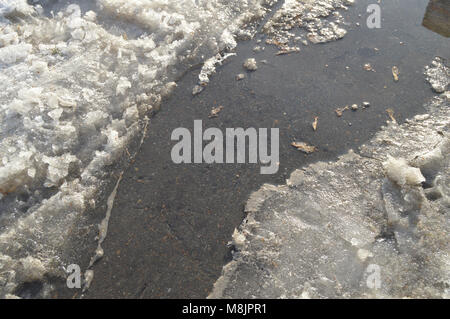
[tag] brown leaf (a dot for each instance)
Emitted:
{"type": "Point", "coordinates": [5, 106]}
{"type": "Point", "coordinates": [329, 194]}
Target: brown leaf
{"type": "Point", "coordinates": [340, 110]}
{"type": "Point", "coordinates": [368, 67]}
{"type": "Point", "coordinates": [391, 113]}
{"type": "Point", "coordinates": [215, 111]}
{"type": "Point", "coordinates": [314, 125]}
{"type": "Point", "coordinates": [395, 73]}
{"type": "Point", "coordinates": [288, 51]}
{"type": "Point", "coordinates": [304, 147]}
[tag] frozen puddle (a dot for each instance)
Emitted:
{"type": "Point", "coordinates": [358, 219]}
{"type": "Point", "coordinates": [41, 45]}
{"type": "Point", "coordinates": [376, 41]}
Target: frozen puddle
{"type": "Point", "coordinates": [375, 223]}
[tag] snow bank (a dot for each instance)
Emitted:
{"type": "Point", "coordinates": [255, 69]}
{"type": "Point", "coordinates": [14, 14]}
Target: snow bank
{"type": "Point", "coordinates": [76, 80]}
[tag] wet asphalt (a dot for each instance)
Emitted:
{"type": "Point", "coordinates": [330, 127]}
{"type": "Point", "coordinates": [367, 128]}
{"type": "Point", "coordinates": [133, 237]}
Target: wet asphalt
{"type": "Point", "coordinates": [171, 223]}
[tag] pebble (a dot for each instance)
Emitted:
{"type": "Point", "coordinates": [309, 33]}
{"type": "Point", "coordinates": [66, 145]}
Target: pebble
{"type": "Point", "coordinates": [197, 89]}
{"type": "Point", "coordinates": [250, 64]}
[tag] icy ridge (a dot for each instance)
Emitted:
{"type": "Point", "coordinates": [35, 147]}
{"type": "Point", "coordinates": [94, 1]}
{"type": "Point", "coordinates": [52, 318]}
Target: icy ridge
{"type": "Point", "coordinates": [320, 20]}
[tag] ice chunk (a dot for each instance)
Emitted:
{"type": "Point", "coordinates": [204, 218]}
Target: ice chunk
{"type": "Point", "coordinates": [122, 86]}
{"type": "Point", "coordinates": [131, 115]}
{"type": "Point", "coordinates": [250, 64]}
{"type": "Point", "coordinates": [33, 268]}
{"type": "Point", "coordinates": [209, 67]}
{"type": "Point", "coordinates": [39, 66]}
{"type": "Point", "coordinates": [58, 168]}
{"type": "Point", "coordinates": [9, 38]}
{"type": "Point", "coordinates": [15, 172]}
{"type": "Point", "coordinates": [15, 52]}
{"type": "Point", "coordinates": [320, 20]}
{"type": "Point", "coordinates": [401, 173]}
{"type": "Point", "coordinates": [56, 114]}
{"type": "Point", "coordinates": [10, 8]}
{"type": "Point", "coordinates": [438, 75]}
{"type": "Point", "coordinates": [30, 95]}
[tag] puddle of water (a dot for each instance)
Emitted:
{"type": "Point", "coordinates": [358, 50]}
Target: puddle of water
{"type": "Point", "coordinates": [171, 223]}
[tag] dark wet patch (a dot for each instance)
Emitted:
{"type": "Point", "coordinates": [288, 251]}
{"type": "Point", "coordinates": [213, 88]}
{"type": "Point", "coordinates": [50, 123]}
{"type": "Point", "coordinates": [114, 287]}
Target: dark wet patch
{"type": "Point", "coordinates": [29, 290]}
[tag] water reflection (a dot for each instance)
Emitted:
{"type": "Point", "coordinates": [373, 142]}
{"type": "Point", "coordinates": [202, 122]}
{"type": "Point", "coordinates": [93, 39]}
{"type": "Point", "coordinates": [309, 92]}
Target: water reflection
{"type": "Point", "coordinates": [437, 17]}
